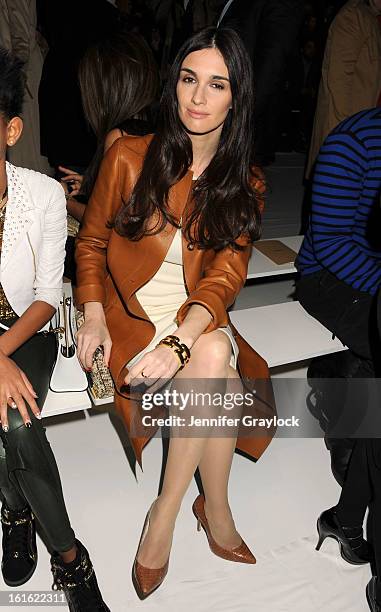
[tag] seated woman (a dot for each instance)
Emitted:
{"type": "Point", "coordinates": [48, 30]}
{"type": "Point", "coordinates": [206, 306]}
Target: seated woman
{"type": "Point", "coordinates": [162, 253]}
{"type": "Point", "coordinates": [32, 238]}
{"type": "Point", "coordinates": [118, 80]}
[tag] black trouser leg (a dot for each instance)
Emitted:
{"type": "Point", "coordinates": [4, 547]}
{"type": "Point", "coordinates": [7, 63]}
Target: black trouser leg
{"type": "Point", "coordinates": [346, 312]}
{"type": "Point", "coordinates": [351, 316]}
{"type": "Point", "coordinates": [11, 493]}
{"type": "Point", "coordinates": [31, 469]}
{"type": "Point", "coordinates": [356, 492]}
{"type": "Point", "coordinates": [374, 462]}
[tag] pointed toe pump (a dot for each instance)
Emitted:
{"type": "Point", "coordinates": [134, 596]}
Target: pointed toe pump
{"type": "Point", "coordinates": [145, 579]}
{"type": "Point", "coordinates": [353, 547]}
{"type": "Point", "coordinates": [241, 554]}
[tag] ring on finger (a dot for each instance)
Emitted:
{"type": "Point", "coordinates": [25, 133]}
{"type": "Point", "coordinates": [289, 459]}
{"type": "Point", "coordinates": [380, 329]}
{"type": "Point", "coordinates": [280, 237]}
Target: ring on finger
{"type": "Point", "coordinates": [13, 403]}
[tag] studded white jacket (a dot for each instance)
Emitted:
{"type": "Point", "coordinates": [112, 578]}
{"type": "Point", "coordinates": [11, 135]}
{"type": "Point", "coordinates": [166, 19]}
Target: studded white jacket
{"type": "Point", "coordinates": [35, 230]}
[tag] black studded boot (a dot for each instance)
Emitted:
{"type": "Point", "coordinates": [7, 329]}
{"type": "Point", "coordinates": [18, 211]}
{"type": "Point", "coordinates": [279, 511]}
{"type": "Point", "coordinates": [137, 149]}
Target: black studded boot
{"type": "Point", "coordinates": [78, 581]}
{"type": "Point", "coordinates": [19, 545]}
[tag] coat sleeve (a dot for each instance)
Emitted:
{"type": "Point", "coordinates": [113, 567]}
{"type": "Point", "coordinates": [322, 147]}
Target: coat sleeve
{"type": "Point", "coordinates": [22, 27]}
{"type": "Point", "coordinates": [346, 39]}
{"type": "Point", "coordinates": [223, 279]}
{"type": "Point", "coordinates": [51, 256]}
{"type": "Point", "coordinates": [225, 276]}
{"type": "Point", "coordinates": [258, 183]}
{"type": "Point", "coordinates": [93, 237]}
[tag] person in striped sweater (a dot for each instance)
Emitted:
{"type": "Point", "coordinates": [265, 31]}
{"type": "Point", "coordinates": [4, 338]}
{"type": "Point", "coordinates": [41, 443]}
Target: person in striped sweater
{"type": "Point", "coordinates": [339, 261]}
{"type": "Point", "coordinates": [340, 275]}
{"type": "Point", "coordinates": [345, 196]}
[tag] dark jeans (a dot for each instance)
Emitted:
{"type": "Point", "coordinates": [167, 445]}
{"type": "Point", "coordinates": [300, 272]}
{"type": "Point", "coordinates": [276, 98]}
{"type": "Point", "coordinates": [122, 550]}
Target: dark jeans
{"type": "Point", "coordinates": [351, 316]}
{"type": "Point", "coordinates": [28, 470]}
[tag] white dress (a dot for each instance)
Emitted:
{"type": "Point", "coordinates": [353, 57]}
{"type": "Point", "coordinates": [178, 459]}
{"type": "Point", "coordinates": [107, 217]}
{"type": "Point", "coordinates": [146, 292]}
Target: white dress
{"type": "Point", "coordinates": [162, 296]}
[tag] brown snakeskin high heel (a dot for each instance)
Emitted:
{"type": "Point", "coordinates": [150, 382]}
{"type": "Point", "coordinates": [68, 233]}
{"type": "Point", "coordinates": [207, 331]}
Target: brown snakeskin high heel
{"type": "Point", "coordinates": [145, 579]}
{"type": "Point", "coordinates": [241, 554]}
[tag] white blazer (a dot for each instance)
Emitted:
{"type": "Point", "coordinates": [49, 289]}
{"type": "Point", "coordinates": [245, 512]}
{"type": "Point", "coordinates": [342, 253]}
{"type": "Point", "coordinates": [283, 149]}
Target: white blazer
{"type": "Point", "coordinates": [33, 249]}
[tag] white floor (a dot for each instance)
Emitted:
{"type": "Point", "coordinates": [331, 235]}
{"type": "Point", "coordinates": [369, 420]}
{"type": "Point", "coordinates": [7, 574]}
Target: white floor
{"type": "Point", "coordinates": [275, 502]}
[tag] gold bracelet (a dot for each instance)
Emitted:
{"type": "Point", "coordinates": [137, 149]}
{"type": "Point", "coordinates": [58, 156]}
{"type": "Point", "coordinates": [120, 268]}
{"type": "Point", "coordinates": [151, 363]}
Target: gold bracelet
{"type": "Point", "coordinates": [181, 350]}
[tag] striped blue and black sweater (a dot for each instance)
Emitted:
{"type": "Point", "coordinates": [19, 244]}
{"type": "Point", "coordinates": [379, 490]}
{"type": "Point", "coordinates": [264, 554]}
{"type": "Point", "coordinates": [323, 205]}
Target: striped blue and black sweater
{"type": "Point", "coordinates": [344, 234]}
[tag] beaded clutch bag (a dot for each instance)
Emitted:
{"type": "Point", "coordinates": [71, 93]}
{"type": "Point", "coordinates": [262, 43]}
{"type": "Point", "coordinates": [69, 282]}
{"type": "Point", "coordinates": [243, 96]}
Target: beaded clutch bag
{"type": "Point", "coordinates": [101, 386]}
{"type": "Point", "coordinates": [72, 226]}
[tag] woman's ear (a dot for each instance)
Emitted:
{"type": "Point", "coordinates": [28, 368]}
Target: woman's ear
{"type": "Point", "coordinates": [14, 130]}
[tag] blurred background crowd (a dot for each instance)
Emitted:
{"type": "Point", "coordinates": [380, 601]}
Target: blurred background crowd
{"type": "Point", "coordinates": [285, 39]}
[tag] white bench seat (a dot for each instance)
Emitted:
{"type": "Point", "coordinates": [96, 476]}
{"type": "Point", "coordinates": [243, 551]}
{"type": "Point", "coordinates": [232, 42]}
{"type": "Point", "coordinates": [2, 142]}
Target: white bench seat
{"type": "Point", "coordinates": [281, 333]}
{"type": "Point", "coordinates": [284, 333]}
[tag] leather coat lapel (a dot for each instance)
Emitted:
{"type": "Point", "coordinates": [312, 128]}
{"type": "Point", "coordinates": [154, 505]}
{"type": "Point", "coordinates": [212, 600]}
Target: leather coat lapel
{"type": "Point", "coordinates": [178, 198]}
{"type": "Point", "coordinates": [181, 205]}
{"type": "Point", "coordinates": [150, 251]}
{"type": "Point", "coordinates": [18, 216]}
{"type": "Point", "coordinates": [191, 257]}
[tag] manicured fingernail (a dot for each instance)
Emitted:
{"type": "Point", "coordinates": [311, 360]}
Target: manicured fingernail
{"type": "Point", "coordinates": [5, 427]}
{"type": "Point", "coordinates": [39, 416]}
{"type": "Point", "coordinates": [28, 424]}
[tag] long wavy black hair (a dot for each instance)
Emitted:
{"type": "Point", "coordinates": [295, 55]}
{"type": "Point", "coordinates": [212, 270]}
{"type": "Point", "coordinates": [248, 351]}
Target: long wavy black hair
{"type": "Point", "coordinates": [225, 203]}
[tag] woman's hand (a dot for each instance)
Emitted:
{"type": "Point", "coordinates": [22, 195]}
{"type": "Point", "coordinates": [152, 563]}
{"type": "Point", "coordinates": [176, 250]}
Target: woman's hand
{"type": "Point", "coordinates": [162, 362]}
{"type": "Point", "coordinates": [90, 335]}
{"type": "Point", "coordinates": [15, 390]}
{"type": "Point", "coordinates": [73, 178]}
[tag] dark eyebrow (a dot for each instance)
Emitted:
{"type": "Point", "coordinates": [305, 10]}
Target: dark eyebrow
{"type": "Point", "coordinates": [214, 76]}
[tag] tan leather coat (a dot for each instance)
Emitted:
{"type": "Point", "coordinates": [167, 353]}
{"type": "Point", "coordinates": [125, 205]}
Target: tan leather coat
{"type": "Point", "coordinates": [351, 71]}
{"type": "Point", "coordinates": [111, 268]}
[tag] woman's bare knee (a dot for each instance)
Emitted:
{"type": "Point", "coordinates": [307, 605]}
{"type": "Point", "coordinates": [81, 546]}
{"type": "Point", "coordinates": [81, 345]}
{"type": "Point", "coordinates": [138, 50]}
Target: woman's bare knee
{"type": "Point", "coordinates": [211, 354]}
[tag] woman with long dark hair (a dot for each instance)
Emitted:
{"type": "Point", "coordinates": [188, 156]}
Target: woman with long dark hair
{"type": "Point", "coordinates": [118, 80]}
{"type": "Point", "coordinates": [162, 254]}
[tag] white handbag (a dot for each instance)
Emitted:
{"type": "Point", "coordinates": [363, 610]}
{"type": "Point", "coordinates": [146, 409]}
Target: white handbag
{"type": "Point", "coordinates": [67, 374]}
